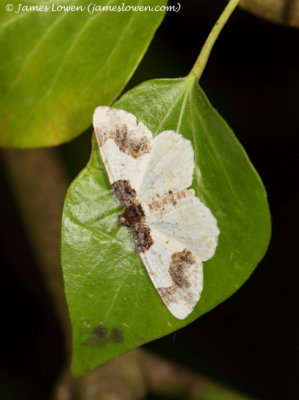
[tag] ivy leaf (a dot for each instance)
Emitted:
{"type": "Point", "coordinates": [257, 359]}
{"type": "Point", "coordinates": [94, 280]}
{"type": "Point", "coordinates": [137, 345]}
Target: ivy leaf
{"type": "Point", "coordinates": [56, 67]}
{"type": "Point", "coordinates": [113, 305]}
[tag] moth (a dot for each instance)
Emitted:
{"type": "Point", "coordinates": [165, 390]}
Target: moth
{"type": "Point", "coordinates": [173, 231]}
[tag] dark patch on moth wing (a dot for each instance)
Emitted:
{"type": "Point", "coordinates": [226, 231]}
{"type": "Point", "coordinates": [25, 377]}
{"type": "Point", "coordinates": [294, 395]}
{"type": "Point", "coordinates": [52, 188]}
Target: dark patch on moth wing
{"type": "Point", "coordinates": [132, 146]}
{"type": "Point", "coordinates": [124, 192]}
{"type": "Point", "coordinates": [180, 262]}
{"type": "Point", "coordinates": [101, 336]}
{"type": "Point", "coordinates": [133, 215]}
{"type": "Point", "coordinates": [159, 202]}
{"type": "Point", "coordinates": [167, 293]}
{"type": "Point", "coordinates": [142, 237]}
{"type": "Point", "coordinates": [170, 295]}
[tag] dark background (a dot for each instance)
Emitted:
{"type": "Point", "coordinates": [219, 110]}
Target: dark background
{"type": "Point", "coordinates": [250, 342]}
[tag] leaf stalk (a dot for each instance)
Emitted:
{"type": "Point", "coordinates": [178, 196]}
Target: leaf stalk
{"type": "Point", "coordinates": [203, 57]}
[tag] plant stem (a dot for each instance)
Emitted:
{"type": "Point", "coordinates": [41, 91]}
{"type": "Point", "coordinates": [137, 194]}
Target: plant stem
{"type": "Point", "coordinates": [203, 57]}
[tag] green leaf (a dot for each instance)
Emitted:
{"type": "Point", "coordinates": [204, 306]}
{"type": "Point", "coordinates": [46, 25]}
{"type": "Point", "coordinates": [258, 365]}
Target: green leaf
{"type": "Point", "coordinates": [113, 305]}
{"type": "Point", "coordinates": [55, 67]}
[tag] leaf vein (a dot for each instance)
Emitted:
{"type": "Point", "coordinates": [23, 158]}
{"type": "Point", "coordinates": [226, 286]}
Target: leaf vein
{"type": "Point", "coordinates": [36, 47]}
{"type": "Point", "coordinates": [108, 59]}
{"type": "Point", "coordinates": [216, 156]}
{"type": "Point", "coordinates": [169, 112]}
{"type": "Point", "coordinates": [10, 21]}
{"type": "Point", "coordinates": [116, 296]}
{"type": "Point", "coordinates": [182, 111]}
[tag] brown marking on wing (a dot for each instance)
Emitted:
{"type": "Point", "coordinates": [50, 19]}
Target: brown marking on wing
{"type": "Point", "coordinates": [159, 202]}
{"type": "Point", "coordinates": [142, 237]}
{"type": "Point", "coordinates": [167, 293]}
{"type": "Point", "coordinates": [132, 146]}
{"type": "Point", "coordinates": [132, 142]}
{"type": "Point", "coordinates": [180, 262]}
{"type": "Point", "coordinates": [133, 215]}
{"type": "Point", "coordinates": [124, 192]}
{"type": "Point", "coordinates": [170, 295]}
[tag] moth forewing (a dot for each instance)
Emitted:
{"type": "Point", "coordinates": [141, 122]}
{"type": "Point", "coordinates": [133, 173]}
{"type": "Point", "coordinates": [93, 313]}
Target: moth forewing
{"type": "Point", "coordinates": [125, 146]}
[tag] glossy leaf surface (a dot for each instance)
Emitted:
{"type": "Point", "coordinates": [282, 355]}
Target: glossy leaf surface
{"type": "Point", "coordinates": [113, 304]}
{"type": "Point", "coordinates": [56, 66]}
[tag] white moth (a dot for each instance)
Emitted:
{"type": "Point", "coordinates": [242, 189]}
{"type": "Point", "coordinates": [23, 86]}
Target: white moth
{"type": "Point", "coordinates": [174, 232]}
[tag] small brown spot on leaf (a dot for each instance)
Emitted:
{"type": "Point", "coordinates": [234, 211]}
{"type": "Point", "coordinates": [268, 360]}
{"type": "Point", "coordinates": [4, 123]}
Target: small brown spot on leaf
{"type": "Point", "coordinates": [101, 336]}
{"type": "Point", "coordinates": [116, 335]}
{"type": "Point", "coordinates": [100, 331]}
